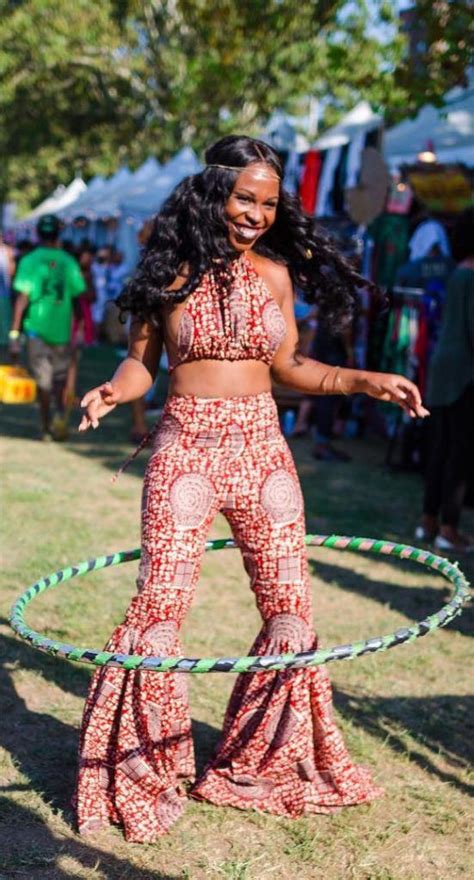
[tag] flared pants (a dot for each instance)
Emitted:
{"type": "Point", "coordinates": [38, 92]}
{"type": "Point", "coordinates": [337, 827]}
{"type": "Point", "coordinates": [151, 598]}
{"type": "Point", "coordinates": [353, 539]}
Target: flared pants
{"type": "Point", "coordinates": [280, 750]}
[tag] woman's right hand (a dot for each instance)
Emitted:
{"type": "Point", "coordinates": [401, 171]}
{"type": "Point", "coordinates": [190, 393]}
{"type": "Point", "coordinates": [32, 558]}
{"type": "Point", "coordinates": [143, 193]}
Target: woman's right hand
{"type": "Point", "coordinates": [98, 403]}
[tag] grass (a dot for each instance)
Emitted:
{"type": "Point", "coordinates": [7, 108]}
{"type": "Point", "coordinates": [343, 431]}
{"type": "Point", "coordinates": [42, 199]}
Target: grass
{"type": "Point", "coordinates": [405, 713]}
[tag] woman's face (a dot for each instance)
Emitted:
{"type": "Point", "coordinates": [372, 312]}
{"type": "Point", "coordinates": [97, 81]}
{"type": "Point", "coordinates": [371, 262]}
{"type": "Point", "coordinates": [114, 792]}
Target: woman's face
{"type": "Point", "coordinates": [251, 207]}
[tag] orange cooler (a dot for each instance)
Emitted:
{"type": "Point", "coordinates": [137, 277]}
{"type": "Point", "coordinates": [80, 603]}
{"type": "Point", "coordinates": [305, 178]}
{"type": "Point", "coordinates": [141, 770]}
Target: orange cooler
{"type": "Point", "coordinates": [16, 385]}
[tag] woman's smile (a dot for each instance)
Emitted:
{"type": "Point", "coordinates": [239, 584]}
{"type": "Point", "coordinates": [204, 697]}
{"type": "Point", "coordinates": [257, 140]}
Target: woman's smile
{"type": "Point", "coordinates": [247, 232]}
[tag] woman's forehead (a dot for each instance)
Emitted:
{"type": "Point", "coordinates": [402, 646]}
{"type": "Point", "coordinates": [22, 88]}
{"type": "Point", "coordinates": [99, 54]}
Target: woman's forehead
{"type": "Point", "coordinates": [260, 179]}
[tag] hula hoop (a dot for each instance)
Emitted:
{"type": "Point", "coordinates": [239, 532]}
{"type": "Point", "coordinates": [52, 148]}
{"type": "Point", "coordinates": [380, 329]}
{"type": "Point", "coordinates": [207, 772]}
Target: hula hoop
{"type": "Point", "coordinates": [373, 645]}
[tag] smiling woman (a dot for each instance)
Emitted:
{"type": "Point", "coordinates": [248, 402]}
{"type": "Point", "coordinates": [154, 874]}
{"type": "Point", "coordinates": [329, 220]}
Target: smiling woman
{"type": "Point", "coordinates": [215, 286]}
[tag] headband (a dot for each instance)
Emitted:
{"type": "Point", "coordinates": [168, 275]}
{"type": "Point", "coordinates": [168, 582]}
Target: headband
{"type": "Point", "coordinates": [241, 168]}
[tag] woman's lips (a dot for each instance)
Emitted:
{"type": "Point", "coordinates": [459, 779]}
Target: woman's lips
{"type": "Point", "coordinates": [248, 233]}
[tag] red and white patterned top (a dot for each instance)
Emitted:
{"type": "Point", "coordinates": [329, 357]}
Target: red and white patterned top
{"type": "Point", "coordinates": [240, 323]}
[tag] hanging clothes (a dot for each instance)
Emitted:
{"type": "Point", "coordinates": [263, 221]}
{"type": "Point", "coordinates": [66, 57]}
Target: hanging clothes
{"type": "Point", "coordinates": [390, 235]}
{"type": "Point", "coordinates": [354, 154]}
{"type": "Point", "coordinates": [293, 171]}
{"type": "Point", "coordinates": [340, 177]}
{"type": "Point", "coordinates": [330, 162]}
{"type": "Point", "coordinates": [310, 180]}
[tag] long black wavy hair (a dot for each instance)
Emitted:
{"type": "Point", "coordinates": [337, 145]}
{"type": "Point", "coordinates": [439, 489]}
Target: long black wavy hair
{"type": "Point", "coordinates": [191, 231]}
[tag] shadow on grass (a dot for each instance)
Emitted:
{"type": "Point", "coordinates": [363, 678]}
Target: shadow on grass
{"type": "Point", "coordinates": [439, 725]}
{"type": "Point", "coordinates": [415, 603]}
{"type": "Point", "coordinates": [109, 445]}
{"type": "Point", "coordinates": [71, 677]}
{"type": "Point", "coordinates": [39, 744]}
{"type": "Point", "coordinates": [30, 848]}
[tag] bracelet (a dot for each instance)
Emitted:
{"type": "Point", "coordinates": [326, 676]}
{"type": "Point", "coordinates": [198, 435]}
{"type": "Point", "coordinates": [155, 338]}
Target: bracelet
{"type": "Point", "coordinates": [14, 334]}
{"type": "Point", "coordinates": [337, 385]}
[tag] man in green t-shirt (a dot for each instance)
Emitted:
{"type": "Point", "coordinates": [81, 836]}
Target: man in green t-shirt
{"type": "Point", "coordinates": [48, 281]}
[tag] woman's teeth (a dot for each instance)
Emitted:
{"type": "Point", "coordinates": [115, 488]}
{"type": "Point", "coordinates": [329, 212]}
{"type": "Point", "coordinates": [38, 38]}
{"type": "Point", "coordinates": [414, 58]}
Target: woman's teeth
{"type": "Point", "coordinates": [247, 232]}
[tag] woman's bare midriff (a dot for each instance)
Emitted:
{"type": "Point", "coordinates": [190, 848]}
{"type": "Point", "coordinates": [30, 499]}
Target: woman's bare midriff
{"type": "Point", "coordinates": [215, 378]}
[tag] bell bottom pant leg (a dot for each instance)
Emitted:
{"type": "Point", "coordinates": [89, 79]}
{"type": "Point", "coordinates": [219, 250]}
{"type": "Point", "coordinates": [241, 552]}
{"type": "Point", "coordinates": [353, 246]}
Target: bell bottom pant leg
{"type": "Point", "coordinates": [136, 744]}
{"type": "Point", "coordinates": [281, 751]}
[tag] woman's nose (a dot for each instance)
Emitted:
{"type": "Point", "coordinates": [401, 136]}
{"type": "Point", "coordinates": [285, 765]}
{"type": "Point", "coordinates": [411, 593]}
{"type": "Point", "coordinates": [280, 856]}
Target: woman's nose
{"type": "Point", "coordinates": [255, 215]}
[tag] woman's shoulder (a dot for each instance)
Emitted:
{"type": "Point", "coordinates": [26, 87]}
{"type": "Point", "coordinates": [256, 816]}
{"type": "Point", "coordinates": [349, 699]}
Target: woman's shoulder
{"type": "Point", "coordinates": [275, 274]}
{"type": "Point", "coordinates": [265, 263]}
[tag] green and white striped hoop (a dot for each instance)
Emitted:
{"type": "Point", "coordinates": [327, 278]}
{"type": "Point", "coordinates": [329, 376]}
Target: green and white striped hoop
{"type": "Point", "coordinates": [372, 645]}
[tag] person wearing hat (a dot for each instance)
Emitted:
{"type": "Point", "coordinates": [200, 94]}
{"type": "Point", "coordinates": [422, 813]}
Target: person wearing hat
{"type": "Point", "coordinates": [48, 281]}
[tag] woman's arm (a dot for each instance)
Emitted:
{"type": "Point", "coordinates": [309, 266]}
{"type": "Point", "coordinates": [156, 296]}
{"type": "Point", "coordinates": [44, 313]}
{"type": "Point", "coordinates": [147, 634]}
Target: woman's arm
{"type": "Point", "coordinates": [304, 374]}
{"type": "Point", "coordinates": [132, 378]}
{"type": "Point", "coordinates": [136, 374]}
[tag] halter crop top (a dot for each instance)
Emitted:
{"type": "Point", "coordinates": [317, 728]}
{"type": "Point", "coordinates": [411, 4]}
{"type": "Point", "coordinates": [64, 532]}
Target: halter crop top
{"type": "Point", "coordinates": [241, 323]}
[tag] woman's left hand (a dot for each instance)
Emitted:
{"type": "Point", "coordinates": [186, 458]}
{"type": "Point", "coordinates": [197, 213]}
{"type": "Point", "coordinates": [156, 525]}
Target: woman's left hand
{"type": "Point", "coordinates": [395, 389]}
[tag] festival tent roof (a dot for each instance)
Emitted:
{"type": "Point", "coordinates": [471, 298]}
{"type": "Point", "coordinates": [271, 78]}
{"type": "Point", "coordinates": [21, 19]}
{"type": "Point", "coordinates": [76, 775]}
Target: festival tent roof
{"type": "Point", "coordinates": [107, 203]}
{"type": "Point", "coordinates": [361, 118]}
{"type": "Point", "coordinates": [88, 204]}
{"type": "Point", "coordinates": [282, 134]}
{"type": "Point", "coordinates": [150, 195]}
{"type": "Point", "coordinates": [447, 130]}
{"type": "Point", "coordinates": [60, 198]}
{"type": "Point", "coordinates": [94, 186]}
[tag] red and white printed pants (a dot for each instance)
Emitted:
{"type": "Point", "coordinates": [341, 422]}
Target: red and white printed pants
{"type": "Point", "coordinates": [280, 749]}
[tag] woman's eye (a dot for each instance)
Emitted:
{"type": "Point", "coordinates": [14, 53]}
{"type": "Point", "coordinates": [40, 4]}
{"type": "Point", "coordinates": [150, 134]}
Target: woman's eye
{"type": "Point", "coordinates": [243, 198]}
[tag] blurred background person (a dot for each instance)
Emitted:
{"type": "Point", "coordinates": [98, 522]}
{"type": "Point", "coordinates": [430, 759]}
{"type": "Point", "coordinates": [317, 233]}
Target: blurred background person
{"type": "Point", "coordinates": [117, 275]}
{"type": "Point", "coordinates": [450, 396]}
{"type": "Point", "coordinates": [100, 270]}
{"type": "Point", "coordinates": [334, 349]}
{"type": "Point", "coordinates": [48, 282]}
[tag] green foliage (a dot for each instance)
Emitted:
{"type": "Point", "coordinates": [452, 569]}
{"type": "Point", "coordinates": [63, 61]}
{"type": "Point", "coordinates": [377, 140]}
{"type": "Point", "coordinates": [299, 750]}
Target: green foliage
{"type": "Point", "coordinates": [444, 54]}
{"type": "Point", "coordinates": [66, 103]}
{"type": "Point", "coordinates": [84, 85]}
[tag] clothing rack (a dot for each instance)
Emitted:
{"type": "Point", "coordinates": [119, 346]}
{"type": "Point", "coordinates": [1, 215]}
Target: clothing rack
{"type": "Point", "coordinates": [405, 352]}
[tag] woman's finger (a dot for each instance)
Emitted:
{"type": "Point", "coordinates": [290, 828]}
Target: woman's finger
{"type": "Point", "coordinates": [413, 409]}
{"type": "Point", "coordinates": [417, 403]}
{"type": "Point", "coordinates": [89, 397]}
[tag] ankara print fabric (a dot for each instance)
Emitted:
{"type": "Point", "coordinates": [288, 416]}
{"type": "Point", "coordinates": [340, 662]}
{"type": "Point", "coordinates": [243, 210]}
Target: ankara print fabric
{"type": "Point", "coordinates": [280, 751]}
{"type": "Point", "coordinates": [236, 321]}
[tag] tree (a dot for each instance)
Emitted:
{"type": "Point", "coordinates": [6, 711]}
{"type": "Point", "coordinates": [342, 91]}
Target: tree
{"type": "Point", "coordinates": [66, 104]}
{"type": "Point", "coordinates": [443, 51]}
{"type": "Point", "coordinates": [84, 85]}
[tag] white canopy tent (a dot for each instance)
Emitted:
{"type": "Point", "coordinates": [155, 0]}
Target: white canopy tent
{"type": "Point", "coordinates": [73, 209]}
{"type": "Point", "coordinates": [128, 197]}
{"type": "Point", "coordinates": [60, 198]}
{"type": "Point", "coordinates": [88, 205]}
{"type": "Point", "coordinates": [107, 203]}
{"type": "Point", "coordinates": [148, 197]}
{"type": "Point", "coordinates": [447, 130]}
{"type": "Point", "coordinates": [359, 121]}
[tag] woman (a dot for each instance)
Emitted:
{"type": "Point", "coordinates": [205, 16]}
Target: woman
{"type": "Point", "coordinates": [215, 285]}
